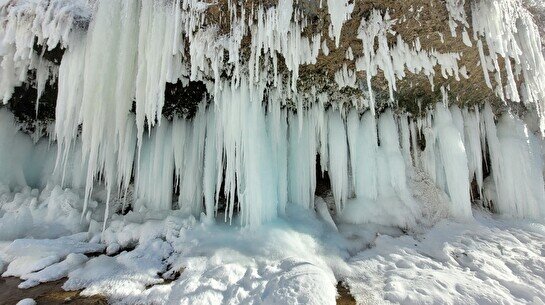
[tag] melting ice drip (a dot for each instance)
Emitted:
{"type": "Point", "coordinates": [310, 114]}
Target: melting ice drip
{"type": "Point", "coordinates": [261, 156]}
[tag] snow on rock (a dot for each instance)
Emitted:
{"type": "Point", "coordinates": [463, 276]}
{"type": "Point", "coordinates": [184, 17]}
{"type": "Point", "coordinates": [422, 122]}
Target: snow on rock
{"type": "Point", "coordinates": [26, 264]}
{"type": "Point", "coordinates": [27, 301]}
{"type": "Point", "coordinates": [292, 261]}
{"type": "Point", "coordinates": [53, 272]}
{"type": "Point", "coordinates": [139, 268]}
{"type": "Point", "coordinates": [299, 259]}
{"type": "Point", "coordinates": [26, 256]}
{"type": "Point", "coordinates": [50, 214]}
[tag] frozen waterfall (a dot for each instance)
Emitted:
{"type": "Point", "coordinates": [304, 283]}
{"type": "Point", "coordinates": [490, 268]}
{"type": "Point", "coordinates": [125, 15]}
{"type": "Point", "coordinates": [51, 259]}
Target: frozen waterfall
{"type": "Point", "coordinates": [254, 143]}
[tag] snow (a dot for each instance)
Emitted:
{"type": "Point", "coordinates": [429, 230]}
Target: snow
{"type": "Point", "coordinates": [53, 272]}
{"type": "Point", "coordinates": [27, 301]}
{"type": "Point", "coordinates": [295, 259]}
{"type": "Point", "coordinates": [27, 256]}
{"type": "Point", "coordinates": [488, 262]}
{"type": "Point", "coordinates": [139, 267]}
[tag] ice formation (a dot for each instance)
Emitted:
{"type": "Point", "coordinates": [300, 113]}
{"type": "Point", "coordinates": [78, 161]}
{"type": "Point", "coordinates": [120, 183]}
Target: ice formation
{"type": "Point", "coordinates": [245, 155]}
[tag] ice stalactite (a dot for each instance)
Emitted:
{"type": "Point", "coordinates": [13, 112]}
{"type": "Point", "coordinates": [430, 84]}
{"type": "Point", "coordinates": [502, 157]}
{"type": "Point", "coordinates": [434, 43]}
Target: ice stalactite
{"type": "Point", "coordinates": [190, 179]}
{"type": "Point", "coordinates": [451, 162]}
{"type": "Point", "coordinates": [156, 37]}
{"type": "Point", "coordinates": [264, 158]}
{"type": "Point", "coordinates": [473, 146]}
{"type": "Point", "coordinates": [153, 186]}
{"type": "Point", "coordinates": [513, 39]}
{"type": "Point", "coordinates": [381, 192]}
{"type": "Point", "coordinates": [517, 167]}
{"type": "Point", "coordinates": [250, 174]}
{"type": "Point", "coordinates": [338, 165]}
{"type": "Point", "coordinates": [405, 139]}
{"type": "Point", "coordinates": [14, 148]}
{"type": "Point", "coordinates": [339, 13]}
{"type": "Point", "coordinates": [210, 170]}
{"type": "Point", "coordinates": [302, 160]}
{"type": "Point", "coordinates": [277, 125]}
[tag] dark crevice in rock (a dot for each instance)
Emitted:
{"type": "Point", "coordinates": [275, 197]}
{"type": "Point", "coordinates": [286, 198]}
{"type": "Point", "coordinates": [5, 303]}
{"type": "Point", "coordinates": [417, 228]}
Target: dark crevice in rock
{"type": "Point", "coordinates": [55, 55]}
{"type": "Point", "coordinates": [183, 100]}
{"type": "Point", "coordinates": [23, 103]}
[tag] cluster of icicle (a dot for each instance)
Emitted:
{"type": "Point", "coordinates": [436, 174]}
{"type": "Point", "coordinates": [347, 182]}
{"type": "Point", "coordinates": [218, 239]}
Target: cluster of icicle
{"type": "Point", "coordinates": [261, 157]}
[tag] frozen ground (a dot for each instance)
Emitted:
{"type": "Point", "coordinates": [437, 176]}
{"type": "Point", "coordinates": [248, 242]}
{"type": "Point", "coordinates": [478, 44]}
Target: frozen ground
{"type": "Point", "coordinates": [296, 259]}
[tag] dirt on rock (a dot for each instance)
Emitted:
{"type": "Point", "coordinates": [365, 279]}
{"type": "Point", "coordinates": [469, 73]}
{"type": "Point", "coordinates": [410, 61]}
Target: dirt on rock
{"type": "Point", "coordinates": [44, 294]}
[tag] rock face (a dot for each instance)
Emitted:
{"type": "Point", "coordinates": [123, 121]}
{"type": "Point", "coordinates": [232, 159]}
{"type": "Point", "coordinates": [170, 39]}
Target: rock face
{"type": "Point", "coordinates": [367, 54]}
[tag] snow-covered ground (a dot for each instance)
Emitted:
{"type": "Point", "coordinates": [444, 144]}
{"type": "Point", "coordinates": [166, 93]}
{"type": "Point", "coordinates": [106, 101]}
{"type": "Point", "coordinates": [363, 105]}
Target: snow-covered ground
{"type": "Point", "coordinates": [170, 258]}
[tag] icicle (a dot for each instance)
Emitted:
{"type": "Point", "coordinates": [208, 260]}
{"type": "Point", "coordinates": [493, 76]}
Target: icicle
{"type": "Point", "coordinates": [352, 134]}
{"type": "Point", "coordinates": [381, 189]}
{"type": "Point", "coordinates": [339, 12]}
{"type": "Point", "coordinates": [428, 155]}
{"type": "Point", "coordinates": [414, 144]}
{"type": "Point", "coordinates": [453, 167]}
{"type": "Point", "coordinates": [191, 180]}
{"type": "Point", "coordinates": [473, 147]}
{"type": "Point", "coordinates": [338, 164]}
{"type": "Point", "coordinates": [210, 165]}
{"type": "Point", "coordinates": [517, 168]}
{"type": "Point", "coordinates": [405, 139]}
{"type": "Point", "coordinates": [301, 161]}
{"type": "Point", "coordinates": [390, 152]}
{"type": "Point", "coordinates": [510, 33]}
{"type": "Point", "coordinates": [154, 177]}
{"type": "Point", "coordinates": [279, 138]}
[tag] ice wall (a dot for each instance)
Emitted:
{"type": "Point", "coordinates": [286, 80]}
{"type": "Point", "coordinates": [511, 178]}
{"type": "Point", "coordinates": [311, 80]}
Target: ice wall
{"type": "Point", "coordinates": [260, 159]}
{"type": "Point", "coordinates": [244, 145]}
